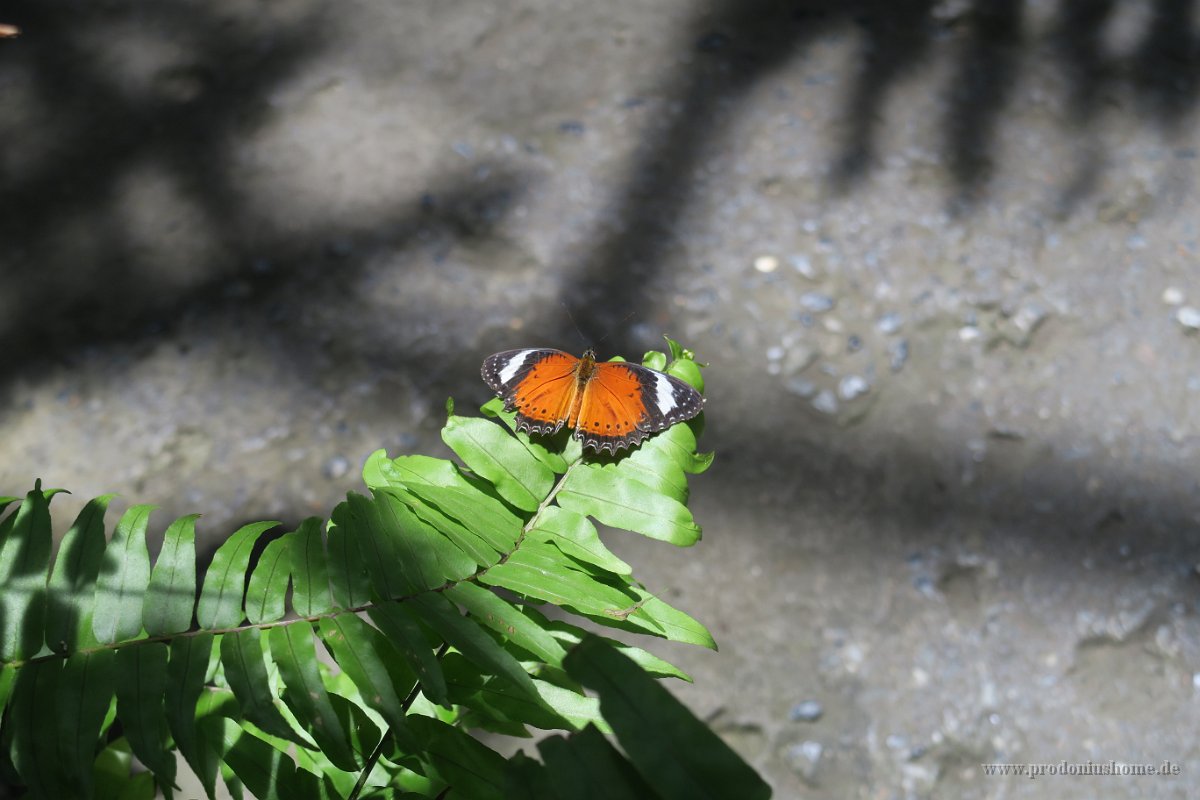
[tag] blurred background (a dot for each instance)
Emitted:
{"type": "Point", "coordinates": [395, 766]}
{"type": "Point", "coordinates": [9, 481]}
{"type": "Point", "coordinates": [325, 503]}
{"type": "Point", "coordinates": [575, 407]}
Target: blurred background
{"type": "Point", "coordinates": [941, 258]}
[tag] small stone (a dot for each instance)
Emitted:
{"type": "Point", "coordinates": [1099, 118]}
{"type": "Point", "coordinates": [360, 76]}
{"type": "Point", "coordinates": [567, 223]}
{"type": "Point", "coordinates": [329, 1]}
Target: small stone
{"type": "Point", "coordinates": [571, 126]}
{"type": "Point", "coordinates": [800, 386]}
{"type": "Point", "coordinates": [854, 343]}
{"type": "Point", "coordinates": [825, 402]}
{"type": "Point", "coordinates": [1172, 296]}
{"type": "Point", "coordinates": [766, 263]}
{"type": "Point", "coordinates": [803, 759]}
{"type": "Point", "coordinates": [775, 353]}
{"type": "Point", "coordinates": [898, 352]}
{"type": "Point", "coordinates": [1028, 318]}
{"type": "Point", "coordinates": [799, 357]}
{"type": "Point", "coordinates": [853, 386]}
{"type": "Point", "coordinates": [816, 302]}
{"type": "Point", "coordinates": [968, 333]}
{"type": "Point", "coordinates": [335, 468]}
{"type": "Point", "coordinates": [806, 711]}
{"type": "Point", "coordinates": [1188, 317]}
{"type": "Point", "coordinates": [804, 266]}
{"type": "Point", "coordinates": [889, 323]}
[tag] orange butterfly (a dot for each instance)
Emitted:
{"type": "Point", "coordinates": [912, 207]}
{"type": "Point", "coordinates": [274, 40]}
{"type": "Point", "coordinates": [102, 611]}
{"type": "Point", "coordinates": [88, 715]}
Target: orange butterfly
{"type": "Point", "coordinates": [610, 405]}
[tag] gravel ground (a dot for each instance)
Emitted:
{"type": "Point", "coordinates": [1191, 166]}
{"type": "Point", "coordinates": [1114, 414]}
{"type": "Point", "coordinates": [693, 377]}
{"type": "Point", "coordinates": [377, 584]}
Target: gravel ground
{"type": "Point", "coordinates": [940, 257]}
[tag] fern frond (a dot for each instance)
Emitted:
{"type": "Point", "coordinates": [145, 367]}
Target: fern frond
{"type": "Point", "coordinates": [104, 658]}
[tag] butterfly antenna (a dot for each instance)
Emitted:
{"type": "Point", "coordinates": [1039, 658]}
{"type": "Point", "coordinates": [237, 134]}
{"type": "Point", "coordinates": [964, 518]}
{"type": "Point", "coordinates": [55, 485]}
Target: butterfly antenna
{"type": "Point", "coordinates": [571, 317]}
{"type": "Point", "coordinates": [619, 324]}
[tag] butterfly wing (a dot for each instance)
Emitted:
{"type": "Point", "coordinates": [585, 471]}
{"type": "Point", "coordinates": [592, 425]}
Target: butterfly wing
{"type": "Point", "coordinates": [624, 403]}
{"type": "Point", "coordinates": [539, 384]}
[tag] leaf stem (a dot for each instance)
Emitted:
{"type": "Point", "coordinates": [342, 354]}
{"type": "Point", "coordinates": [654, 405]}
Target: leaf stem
{"type": "Point", "coordinates": [373, 759]}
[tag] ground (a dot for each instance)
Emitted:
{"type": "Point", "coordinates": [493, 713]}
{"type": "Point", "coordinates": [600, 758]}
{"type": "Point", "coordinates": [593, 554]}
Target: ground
{"type": "Point", "coordinates": [940, 258]}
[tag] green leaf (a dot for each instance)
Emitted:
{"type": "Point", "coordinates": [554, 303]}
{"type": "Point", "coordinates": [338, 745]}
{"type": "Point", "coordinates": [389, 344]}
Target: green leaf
{"type": "Point", "coordinates": [621, 502]}
{"type": "Point", "coordinates": [576, 536]}
{"type": "Point", "coordinates": [470, 640]}
{"type": "Point", "coordinates": [571, 635]}
{"type": "Point", "coordinates": [538, 570]}
{"type": "Point", "coordinates": [141, 686]}
{"type": "Point", "coordinates": [373, 664]}
{"type": "Point", "coordinates": [526, 779]}
{"type": "Point", "coordinates": [221, 598]}
{"type": "Point", "coordinates": [85, 687]}
{"type": "Point", "coordinates": [378, 548]}
{"type": "Point", "coordinates": [679, 443]}
{"type": "Point", "coordinates": [425, 555]}
{"type": "Point", "coordinates": [265, 771]}
{"type": "Point", "coordinates": [348, 578]}
{"type": "Point", "coordinates": [502, 617]}
{"type": "Point", "coordinates": [35, 743]}
{"type": "Point", "coordinates": [586, 766]}
{"type": "Point", "coordinates": [498, 698]}
{"type": "Point", "coordinates": [404, 555]}
{"type": "Point", "coordinates": [654, 467]}
{"type": "Point", "coordinates": [482, 515]}
{"type": "Point", "coordinates": [293, 650]}
{"type": "Point", "coordinates": [73, 580]}
{"type": "Point", "coordinates": [140, 787]}
{"type": "Point", "coordinates": [24, 562]}
{"type": "Point", "coordinates": [310, 578]}
{"type": "Point", "coordinates": [681, 755]}
{"type": "Point", "coordinates": [8, 676]}
{"type": "Point", "coordinates": [267, 593]}
{"type": "Point", "coordinates": [110, 771]}
{"type": "Point", "coordinates": [657, 617]}
{"type": "Point", "coordinates": [121, 584]}
{"type": "Point", "coordinates": [492, 454]}
{"type": "Point", "coordinates": [402, 630]}
{"type": "Point", "coordinates": [688, 371]}
{"type": "Point", "coordinates": [246, 671]}
{"type": "Point", "coordinates": [172, 592]}
{"type": "Point", "coordinates": [655, 359]}
{"type": "Point", "coordinates": [460, 538]}
{"type": "Point", "coordinates": [380, 472]}
{"type": "Point", "coordinates": [474, 770]}
{"type": "Point", "coordinates": [186, 671]}
{"type": "Point", "coordinates": [495, 408]}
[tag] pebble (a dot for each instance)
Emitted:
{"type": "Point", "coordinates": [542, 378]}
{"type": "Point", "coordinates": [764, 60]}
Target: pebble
{"type": "Point", "coordinates": [774, 353]}
{"type": "Point", "coordinates": [803, 758]}
{"type": "Point", "coordinates": [899, 354]}
{"type": "Point", "coordinates": [766, 263]}
{"type": "Point", "coordinates": [1028, 318]}
{"type": "Point", "coordinates": [889, 323]}
{"type": "Point", "coordinates": [1172, 296]}
{"type": "Point", "coordinates": [816, 302]}
{"type": "Point", "coordinates": [335, 468]}
{"type": "Point", "coordinates": [806, 711]}
{"type": "Point", "coordinates": [1188, 317]}
{"type": "Point", "coordinates": [825, 402]}
{"type": "Point", "coordinates": [799, 358]}
{"type": "Point", "coordinates": [800, 386]}
{"type": "Point", "coordinates": [853, 386]}
{"type": "Point", "coordinates": [804, 266]}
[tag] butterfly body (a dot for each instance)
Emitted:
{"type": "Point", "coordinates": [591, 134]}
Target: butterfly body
{"type": "Point", "coordinates": [609, 405]}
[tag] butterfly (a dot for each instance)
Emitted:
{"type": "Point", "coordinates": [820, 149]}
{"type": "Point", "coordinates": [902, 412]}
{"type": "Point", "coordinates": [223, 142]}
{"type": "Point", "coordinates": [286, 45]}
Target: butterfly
{"type": "Point", "coordinates": [609, 404]}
